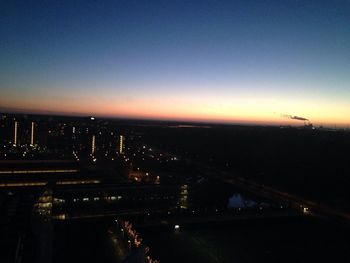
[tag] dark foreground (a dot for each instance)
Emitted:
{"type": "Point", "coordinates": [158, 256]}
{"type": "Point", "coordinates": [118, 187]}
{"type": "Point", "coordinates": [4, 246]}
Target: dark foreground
{"type": "Point", "coordinates": [282, 240]}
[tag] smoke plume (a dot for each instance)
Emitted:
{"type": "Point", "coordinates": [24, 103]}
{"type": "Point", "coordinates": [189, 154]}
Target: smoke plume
{"type": "Point", "coordinates": [293, 117]}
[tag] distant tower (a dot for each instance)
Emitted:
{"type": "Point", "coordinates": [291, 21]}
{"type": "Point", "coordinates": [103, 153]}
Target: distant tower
{"type": "Point", "coordinates": [93, 145]}
{"type": "Point", "coordinates": [121, 144]}
{"type": "Point", "coordinates": [32, 134]}
{"type": "Point", "coordinates": [15, 134]}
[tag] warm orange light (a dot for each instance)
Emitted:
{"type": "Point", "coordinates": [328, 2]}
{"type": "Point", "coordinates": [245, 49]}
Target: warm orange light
{"type": "Point", "coordinates": [258, 108]}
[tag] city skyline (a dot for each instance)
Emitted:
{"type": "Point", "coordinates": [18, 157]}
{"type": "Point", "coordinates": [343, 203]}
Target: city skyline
{"type": "Point", "coordinates": [231, 62]}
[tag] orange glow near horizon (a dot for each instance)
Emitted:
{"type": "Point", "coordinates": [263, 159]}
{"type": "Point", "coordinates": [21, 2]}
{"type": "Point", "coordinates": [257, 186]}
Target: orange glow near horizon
{"type": "Point", "coordinates": [202, 109]}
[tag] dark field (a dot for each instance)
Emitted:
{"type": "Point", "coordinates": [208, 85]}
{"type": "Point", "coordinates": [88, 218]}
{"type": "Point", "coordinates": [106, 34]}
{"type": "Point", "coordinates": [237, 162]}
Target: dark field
{"type": "Point", "coordinates": [282, 240]}
{"type": "Point", "coordinates": [286, 240]}
{"type": "Point", "coordinates": [83, 241]}
{"type": "Point", "coordinates": [314, 164]}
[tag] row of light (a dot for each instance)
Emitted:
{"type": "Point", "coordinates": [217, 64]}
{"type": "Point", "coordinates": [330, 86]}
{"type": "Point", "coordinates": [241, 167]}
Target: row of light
{"type": "Point", "coordinates": [38, 171]}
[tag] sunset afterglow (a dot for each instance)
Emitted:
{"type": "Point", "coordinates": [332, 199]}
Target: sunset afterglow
{"type": "Point", "coordinates": [179, 61]}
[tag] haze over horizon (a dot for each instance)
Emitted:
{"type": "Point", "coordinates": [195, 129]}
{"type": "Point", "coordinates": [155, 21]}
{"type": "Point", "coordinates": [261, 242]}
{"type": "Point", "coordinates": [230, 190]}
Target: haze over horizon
{"type": "Point", "coordinates": [215, 61]}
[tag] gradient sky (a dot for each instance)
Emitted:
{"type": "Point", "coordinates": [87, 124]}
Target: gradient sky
{"type": "Point", "coordinates": [226, 61]}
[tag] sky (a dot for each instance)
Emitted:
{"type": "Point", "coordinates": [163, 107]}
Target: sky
{"type": "Point", "coordinates": [211, 61]}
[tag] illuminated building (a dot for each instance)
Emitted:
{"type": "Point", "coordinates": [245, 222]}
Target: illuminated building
{"type": "Point", "coordinates": [39, 171]}
{"type": "Point", "coordinates": [32, 134]}
{"type": "Point", "coordinates": [184, 196]}
{"type": "Point", "coordinates": [15, 134]}
{"type": "Point", "coordinates": [121, 144]}
{"type": "Point", "coordinates": [93, 146]}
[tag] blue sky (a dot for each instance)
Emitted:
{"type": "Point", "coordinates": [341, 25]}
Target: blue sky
{"type": "Point", "coordinates": [202, 60]}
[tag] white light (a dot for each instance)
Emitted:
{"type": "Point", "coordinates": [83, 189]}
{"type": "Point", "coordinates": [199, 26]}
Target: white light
{"type": "Point", "coordinates": [15, 135]}
{"type": "Point", "coordinates": [177, 227]}
{"type": "Point", "coordinates": [121, 144]}
{"type": "Point", "coordinates": [32, 135]}
{"type": "Point", "coordinates": [93, 147]}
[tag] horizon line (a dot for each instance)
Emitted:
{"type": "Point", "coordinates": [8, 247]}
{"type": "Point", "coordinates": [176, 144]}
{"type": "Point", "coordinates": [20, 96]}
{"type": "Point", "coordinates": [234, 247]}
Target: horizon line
{"type": "Point", "coordinates": [147, 119]}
